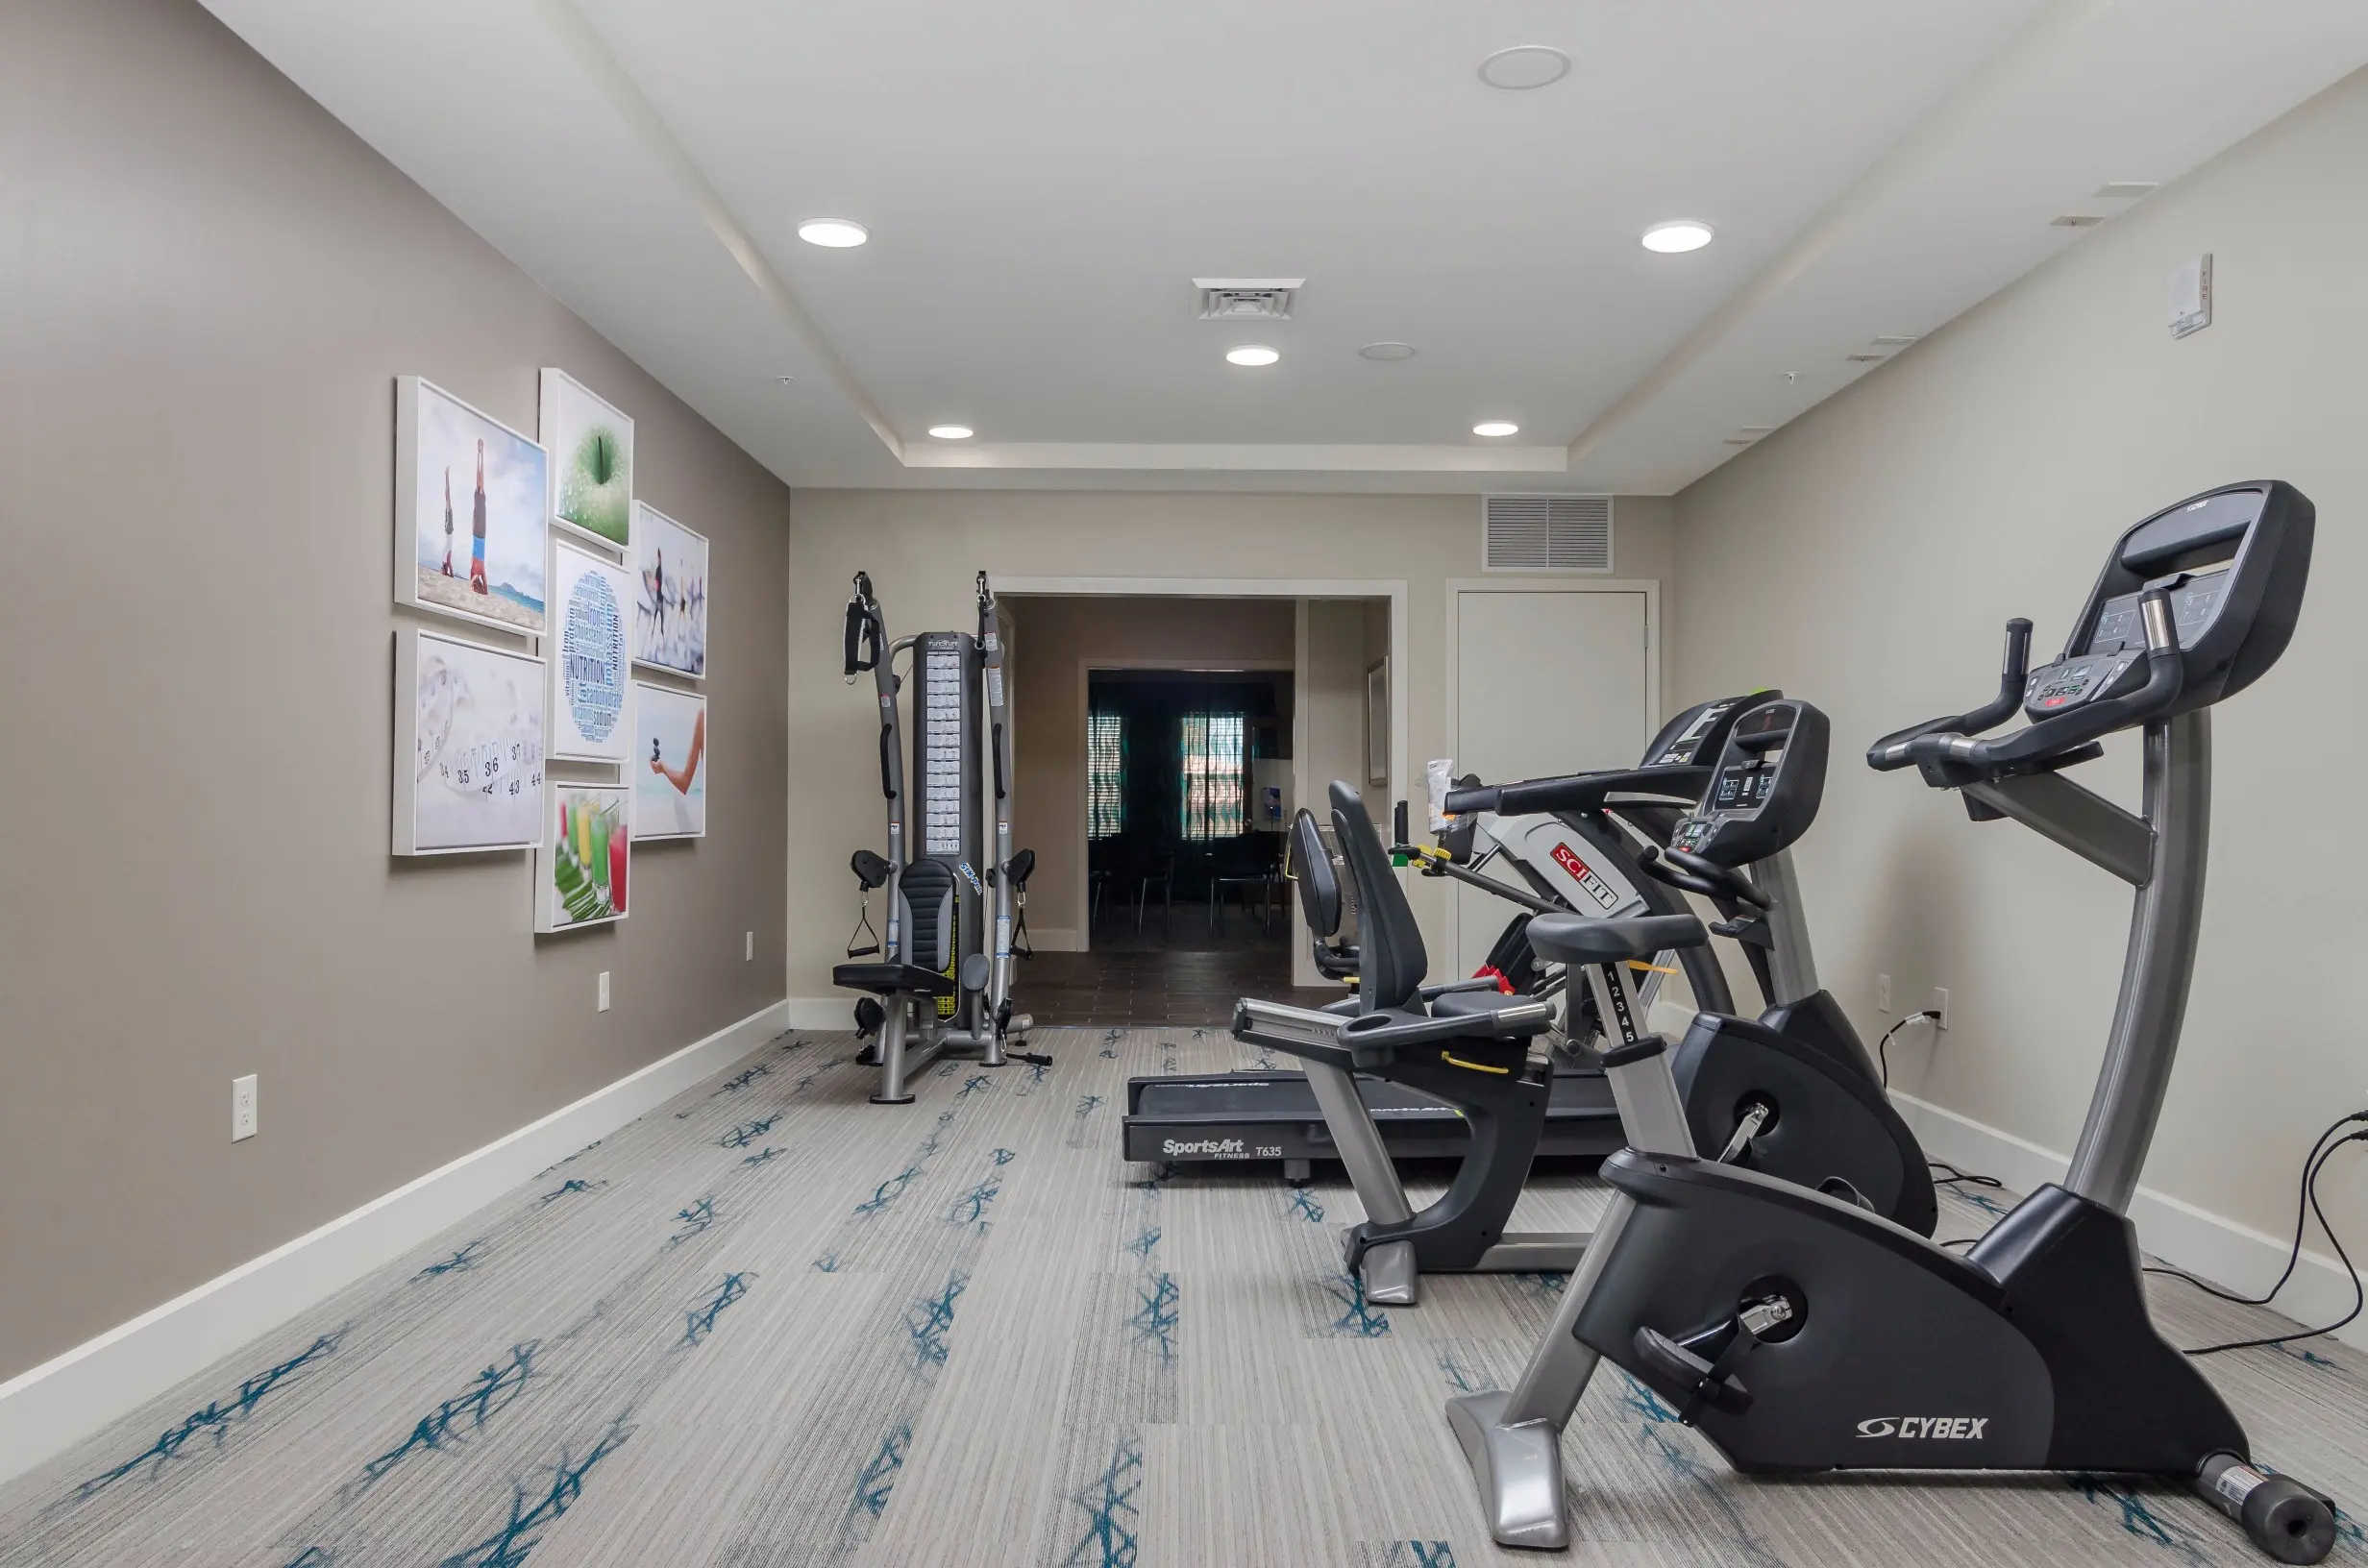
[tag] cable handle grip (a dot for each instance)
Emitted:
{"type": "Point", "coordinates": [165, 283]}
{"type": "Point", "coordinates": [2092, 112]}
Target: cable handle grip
{"type": "Point", "coordinates": [1892, 750]}
{"type": "Point", "coordinates": [863, 628]}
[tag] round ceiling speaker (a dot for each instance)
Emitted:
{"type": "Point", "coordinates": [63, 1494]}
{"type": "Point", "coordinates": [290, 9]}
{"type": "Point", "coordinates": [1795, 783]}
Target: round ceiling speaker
{"type": "Point", "coordinates": [1524, 66]}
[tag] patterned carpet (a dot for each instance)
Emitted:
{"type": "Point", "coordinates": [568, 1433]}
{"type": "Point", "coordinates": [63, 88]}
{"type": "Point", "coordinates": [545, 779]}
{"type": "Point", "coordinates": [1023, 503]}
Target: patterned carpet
{"type": "Point", "coordinates": [771, 1324]}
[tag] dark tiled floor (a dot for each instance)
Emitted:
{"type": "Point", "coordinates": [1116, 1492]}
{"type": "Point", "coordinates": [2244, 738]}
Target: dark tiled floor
{"type": "Point", "coordinates": [1154, 986]}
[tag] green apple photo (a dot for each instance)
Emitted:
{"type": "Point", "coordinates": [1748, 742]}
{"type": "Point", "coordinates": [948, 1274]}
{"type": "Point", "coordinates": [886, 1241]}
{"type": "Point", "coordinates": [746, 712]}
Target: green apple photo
{"type": "Point", "coordinates": [596, 486]}
{"type": "Point", "coordinates": [591, 446]}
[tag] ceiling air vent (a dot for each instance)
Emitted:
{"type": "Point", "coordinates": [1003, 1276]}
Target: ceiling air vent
{"type": "Point", "coordinates": [1547, 534]}
{"type": "Point", "coordinates": [1246, 298]}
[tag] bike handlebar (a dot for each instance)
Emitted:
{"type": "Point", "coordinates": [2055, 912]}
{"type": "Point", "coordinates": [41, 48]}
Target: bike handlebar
{"type": "Point", "coordinates": [2054, 736]}
{"type": "Point", "coordinates": [1891, 752]}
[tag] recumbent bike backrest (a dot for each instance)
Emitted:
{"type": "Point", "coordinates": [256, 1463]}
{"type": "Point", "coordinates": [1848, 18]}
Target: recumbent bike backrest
{"type": "Point", "coordinates": [1391, 961]}
{"type": "Point", "coordinates": [1320, 891]}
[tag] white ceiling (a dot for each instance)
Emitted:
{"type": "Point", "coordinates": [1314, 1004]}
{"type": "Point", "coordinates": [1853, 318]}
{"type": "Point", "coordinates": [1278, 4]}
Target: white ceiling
{"type": "Point", "coordinates": [1043, 178]}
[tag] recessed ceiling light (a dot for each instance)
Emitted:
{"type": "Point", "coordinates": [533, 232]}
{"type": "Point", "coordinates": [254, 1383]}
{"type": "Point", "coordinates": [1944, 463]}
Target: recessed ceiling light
{"type": "Point", "coordinates": [1523, 67]}
{"type": "Point", "coordinates": [836, 234]}
{"type": "Point", "coordinates": [1676, 235]}
{"type": "Point", "coordinates": [1496, 427]}
{"type": "Point", "coordinates": [1252, 353]}
{"type": "Point", "coordinates": [1388, 351]}
{"type": "Point", "coordinates": [951, 433]}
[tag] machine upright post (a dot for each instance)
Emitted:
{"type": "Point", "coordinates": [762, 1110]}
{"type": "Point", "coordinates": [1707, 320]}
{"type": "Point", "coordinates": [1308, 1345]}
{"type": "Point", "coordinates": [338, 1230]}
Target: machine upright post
{"type": "Point", "coordinates": [995, 790]}
{"type": "Point", "coordinates": [2165, 925]}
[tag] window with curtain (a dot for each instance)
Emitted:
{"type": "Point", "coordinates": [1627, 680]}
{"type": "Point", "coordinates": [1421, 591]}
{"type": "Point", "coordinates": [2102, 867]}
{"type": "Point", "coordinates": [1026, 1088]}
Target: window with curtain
{"type": "Point", "coordinates": [1216, 774]}
{"type": "Point", "coordinates": [1105, 774]}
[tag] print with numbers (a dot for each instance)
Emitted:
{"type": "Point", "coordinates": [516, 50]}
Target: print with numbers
{"type": "Point", "coordinates": [475, 738]}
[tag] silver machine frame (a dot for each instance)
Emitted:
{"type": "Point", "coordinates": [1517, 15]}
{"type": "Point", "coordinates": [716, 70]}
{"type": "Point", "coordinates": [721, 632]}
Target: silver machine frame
{"type": "Point", "coordinates": [911, 1035]}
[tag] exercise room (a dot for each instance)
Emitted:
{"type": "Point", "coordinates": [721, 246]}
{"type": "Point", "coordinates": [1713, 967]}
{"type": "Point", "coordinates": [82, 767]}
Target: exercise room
{"type": "Point", "coordinates": [1086, 787]}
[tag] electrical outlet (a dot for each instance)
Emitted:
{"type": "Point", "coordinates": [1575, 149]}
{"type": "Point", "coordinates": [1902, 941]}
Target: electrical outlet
{"type": "Point", "coordinates": [242, 1108]}
{"type": "Point", "coordinates": [748, 953]}
{"type": "Point", "coordinates": [604, 1007]}
{"type": "Point", "coordinates": [1940, 1007]}
{"type": "Point", "coordinates": [1883, 994]}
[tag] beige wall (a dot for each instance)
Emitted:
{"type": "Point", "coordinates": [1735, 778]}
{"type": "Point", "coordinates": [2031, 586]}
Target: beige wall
{"type": "Point", "coordinates": [1054, 642]}
{"type": "Point", "coordinates": [1867, 556]}
{"type": "Point", "coordinates": [921, 548]}
{"type": "Point", "coordinates": [207, 288]}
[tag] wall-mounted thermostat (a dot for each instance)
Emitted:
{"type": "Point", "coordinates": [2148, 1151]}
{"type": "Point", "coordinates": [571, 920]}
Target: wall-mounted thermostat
{"type": "Point", "coordinates": [2192, 296]}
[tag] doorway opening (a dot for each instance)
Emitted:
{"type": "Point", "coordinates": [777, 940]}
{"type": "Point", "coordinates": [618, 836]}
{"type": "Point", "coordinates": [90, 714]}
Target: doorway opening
{"type": "Point", "coordinates": [1187, 772]}
{"type": "Point", "coordinates": [1162, 744]}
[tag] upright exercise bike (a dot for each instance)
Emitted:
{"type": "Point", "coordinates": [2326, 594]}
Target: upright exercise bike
{"type": "Point", "coordinates": [1802, 1333]}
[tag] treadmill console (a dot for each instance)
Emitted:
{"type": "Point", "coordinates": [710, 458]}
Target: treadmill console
{"type": "Point", "coordinates": [1765, 788]}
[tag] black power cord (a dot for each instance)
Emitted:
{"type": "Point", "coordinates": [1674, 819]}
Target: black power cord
{"type": "Point", "coordinates": [2305, 1204]}
{"type": "Point", "coordinates": [1883, 1045]}
{"type": "Point", "coordinates": [1953, 1177]}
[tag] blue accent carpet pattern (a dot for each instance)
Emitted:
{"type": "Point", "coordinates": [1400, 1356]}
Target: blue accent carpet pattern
{"type": "Point", "coordinates": [772, 1325]}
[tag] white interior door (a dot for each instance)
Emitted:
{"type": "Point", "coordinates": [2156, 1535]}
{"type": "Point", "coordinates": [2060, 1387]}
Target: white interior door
{"type": "Point", "coordinates": [1546, 683]}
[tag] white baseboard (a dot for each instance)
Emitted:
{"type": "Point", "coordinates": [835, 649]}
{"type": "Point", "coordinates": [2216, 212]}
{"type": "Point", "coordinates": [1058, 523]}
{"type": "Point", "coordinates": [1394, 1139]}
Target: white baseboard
{"type": "Point", "coordinates": [2232, 1255]}
{"type": "Point", "coordinates": [835, 1011]}
{"type": "Point", "coordinates": [55, 1405]}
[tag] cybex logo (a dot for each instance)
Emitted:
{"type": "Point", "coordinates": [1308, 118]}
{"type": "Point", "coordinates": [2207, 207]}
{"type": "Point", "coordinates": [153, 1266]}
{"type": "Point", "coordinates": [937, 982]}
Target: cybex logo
{"type": "Point", "coordinates": [1218, 1147]}
{"type": "Point", "coordinates": [1585, 876]}
{"type": "Point", "coordinates": [1963, 1428]}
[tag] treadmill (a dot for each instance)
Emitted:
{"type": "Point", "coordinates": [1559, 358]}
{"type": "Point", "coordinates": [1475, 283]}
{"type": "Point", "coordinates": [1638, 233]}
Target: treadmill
{"type": "Point", "coordinates": [1587, 829]}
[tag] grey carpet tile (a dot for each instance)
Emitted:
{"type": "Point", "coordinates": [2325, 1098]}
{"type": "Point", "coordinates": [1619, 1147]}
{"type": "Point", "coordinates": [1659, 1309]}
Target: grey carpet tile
{"type": "Point", "coordinates": [771, 1324]}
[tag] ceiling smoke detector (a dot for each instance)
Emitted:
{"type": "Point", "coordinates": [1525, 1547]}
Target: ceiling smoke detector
{"type": "Point", "coordinates": [2075, 220]}
{"type": "Point", "coordinates": [1246, 298]}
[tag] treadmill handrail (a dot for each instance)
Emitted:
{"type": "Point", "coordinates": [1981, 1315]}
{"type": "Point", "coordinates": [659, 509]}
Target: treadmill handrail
{"type": "Point", "coordinates": [1584, 792]}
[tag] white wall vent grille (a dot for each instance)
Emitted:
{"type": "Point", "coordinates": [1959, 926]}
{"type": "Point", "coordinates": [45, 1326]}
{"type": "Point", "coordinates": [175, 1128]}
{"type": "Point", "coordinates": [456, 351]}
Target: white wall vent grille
{"type": "Point", "coordinates": [1547, 534]}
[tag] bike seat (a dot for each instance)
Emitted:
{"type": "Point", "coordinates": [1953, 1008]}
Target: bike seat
{"type": "Point", "coordinates": [1576, 940]}
{"type": "Point", "coordinates": [1480, 1006]}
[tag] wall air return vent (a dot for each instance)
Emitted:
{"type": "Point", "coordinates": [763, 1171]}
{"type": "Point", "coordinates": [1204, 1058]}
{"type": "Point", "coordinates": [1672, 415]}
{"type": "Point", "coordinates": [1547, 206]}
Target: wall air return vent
{"type": "Point", "coordinates": [1547, 534]}
{"type": "Point", "coordinates": [1246, 298]}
